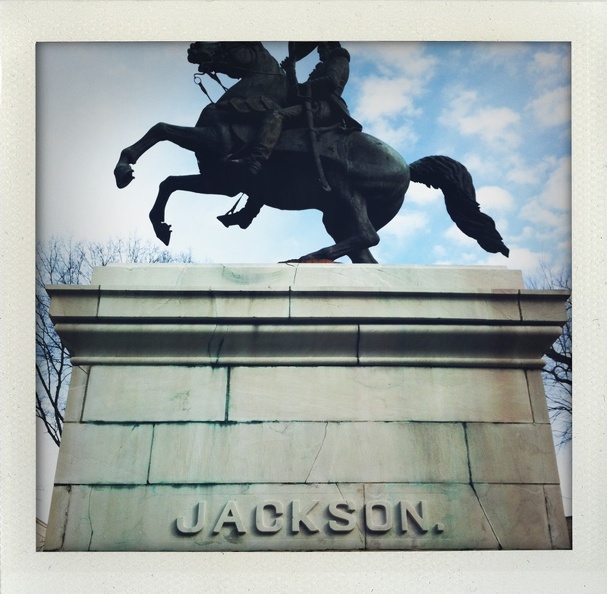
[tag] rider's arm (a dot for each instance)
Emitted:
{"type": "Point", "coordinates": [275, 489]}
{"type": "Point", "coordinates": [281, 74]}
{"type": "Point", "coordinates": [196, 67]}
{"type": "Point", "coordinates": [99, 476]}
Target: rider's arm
{"type": "Point", "coordinates": [335, 78]}
{"type": "Point", "coordinates": [288, 65]}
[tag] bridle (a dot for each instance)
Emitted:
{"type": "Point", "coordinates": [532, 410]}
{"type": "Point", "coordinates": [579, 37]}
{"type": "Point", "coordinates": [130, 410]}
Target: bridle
{"type": "Point", "coordinates": [224, 53]}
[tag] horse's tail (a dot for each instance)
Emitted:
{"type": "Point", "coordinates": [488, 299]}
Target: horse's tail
{"type": "Point", "coordinates": [455, 182]}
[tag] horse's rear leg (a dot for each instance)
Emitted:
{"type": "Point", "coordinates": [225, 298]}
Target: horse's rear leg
{"type": "Point", "coordinates": [353, 232]}
{"type": "Point", "coordinates": [363, 256]}
{"type": "Point", "coordinates": [335, 228]}
{"type": "Point", "coordinates": [186, 137]}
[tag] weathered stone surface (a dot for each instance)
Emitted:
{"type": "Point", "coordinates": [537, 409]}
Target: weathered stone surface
{"type": "Point", "coordinates": [74, 301]}
{"type": "Point", "coordinates": [537, 396]}
{"type": "Point", "coordinates": [557, 523]}
{"type": "Point", "coordinates": [511, 453]}
{"type": "Point", "coordinates": [453, 345]}
{"type": "Point", "coordinates": [378, 394]}
{"type": "Point", "coordinates": [193, 303]}
{"type": "Point", "coordinates": [211, 344]}
{"type": "Point", "coordinates": [58, 515]}
{"type": "Point", "coordinates": [350, 398]}
{"type": "Point", "coordinates": [517, 514]}
{"type": "Point", "coordinates": [99, 454]}
{"type": "Point", "coordinates": [298, 302]}
{"type": "Point", "coordinates": [289, 315]}
{"type": "Point", "coordinates": [77, 390]}
{"type": "Point", "coordinates": [259, 517]}
{"type": "Point", "coordinates": [358, 304]}
{"type": "Point", "coordinates": [301, 517]}
{"type": "Point", "coordinates": [192, 275]}
{"type": "Point", "coordinates": [542, 306]}
{"type": "Point", "coordinates": [410, 278]}
{"type": "Point", "coordinates": [453, 518]}
{"type": "Point", "coordinates": [145, 393]}
{"type": "Point", "coordinates": [308, 452]}
{"type": "Point", "coordinates": [444, 345]}
{"type": "Point", "coordinates": [284, 345]}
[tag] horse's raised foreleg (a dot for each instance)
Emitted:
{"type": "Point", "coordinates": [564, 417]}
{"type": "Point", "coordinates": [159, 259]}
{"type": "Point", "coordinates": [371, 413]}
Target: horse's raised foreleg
{"type": "Point", "coordinates": [187, 137]}
{"type": "Point", "coordinates": [189, 183]}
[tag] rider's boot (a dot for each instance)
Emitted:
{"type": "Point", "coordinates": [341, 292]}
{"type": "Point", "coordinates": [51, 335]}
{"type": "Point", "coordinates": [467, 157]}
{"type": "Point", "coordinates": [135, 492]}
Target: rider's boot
{"type": "Point", "coordinates": [244, 216]}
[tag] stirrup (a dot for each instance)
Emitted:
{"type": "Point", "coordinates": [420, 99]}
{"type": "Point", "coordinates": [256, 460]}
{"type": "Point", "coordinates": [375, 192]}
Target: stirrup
{"type": "Point", "coordinates": [235, 218]}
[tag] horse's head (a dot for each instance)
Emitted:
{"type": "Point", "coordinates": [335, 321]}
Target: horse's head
{"type": "Point", "coordinates": [203, 54]}
{"type": "Point", "coordinates": [236, 59]}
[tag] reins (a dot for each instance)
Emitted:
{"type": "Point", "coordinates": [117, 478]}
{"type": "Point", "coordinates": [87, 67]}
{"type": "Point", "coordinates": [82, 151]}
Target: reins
{"type": "Point", "coordinates": [198, 81]}
{"type": "Point", "coordinates": [213, 74]}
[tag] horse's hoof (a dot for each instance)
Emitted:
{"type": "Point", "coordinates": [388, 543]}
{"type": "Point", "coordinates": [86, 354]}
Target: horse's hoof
{"type": "Point", "coordinates": [163, 232]}
{"type": "Point", "coordinates": [308, 260]}
{"type": "Point", "coordinates": [123, 174]}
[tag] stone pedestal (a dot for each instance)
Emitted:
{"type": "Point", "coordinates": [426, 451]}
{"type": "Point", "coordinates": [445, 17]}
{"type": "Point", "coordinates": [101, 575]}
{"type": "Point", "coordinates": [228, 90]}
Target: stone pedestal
{"type": "Point", "coordinates": [306, 407]}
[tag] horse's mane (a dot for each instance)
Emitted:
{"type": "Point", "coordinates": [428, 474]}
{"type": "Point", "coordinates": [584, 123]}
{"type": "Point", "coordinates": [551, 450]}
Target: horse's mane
{"type": "Point", "coordinates": [266, 63]}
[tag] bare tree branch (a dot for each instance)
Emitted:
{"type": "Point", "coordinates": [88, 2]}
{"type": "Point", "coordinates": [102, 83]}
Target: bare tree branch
{"type": "Point", "coordinates": [559, 359]}
{"type": "Point", "coordinates": [62, 261]}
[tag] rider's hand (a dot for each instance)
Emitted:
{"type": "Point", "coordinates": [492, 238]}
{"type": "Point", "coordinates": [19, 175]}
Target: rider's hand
{"type": "Point", "coordinates": [288, 63]}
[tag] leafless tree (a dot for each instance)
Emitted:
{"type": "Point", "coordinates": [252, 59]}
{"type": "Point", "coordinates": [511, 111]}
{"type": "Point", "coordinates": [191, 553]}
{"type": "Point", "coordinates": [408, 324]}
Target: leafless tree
{"type": "Point", "coordinates": [65, 262]}
{"type": "Point", "coordinates": [558, 357]}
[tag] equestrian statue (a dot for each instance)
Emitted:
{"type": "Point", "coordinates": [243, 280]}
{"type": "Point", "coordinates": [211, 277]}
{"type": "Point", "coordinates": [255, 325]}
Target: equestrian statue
{"type": "Point", "coordinates": [295, 146]}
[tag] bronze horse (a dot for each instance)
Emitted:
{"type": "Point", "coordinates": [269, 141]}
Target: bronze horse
{"type": "Point", "coordinates": [367, 178]}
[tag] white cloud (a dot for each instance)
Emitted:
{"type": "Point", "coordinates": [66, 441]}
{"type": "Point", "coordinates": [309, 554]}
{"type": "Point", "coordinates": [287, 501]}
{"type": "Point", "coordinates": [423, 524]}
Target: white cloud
{"type": "Point", "coordinates": [519, 259]}
{"type": "Point", "coordinates": [545, 61]}
{"type": "Point", "coordinates": [492, 198]}
{"type": "Point", "coordinates": [496, 126]}
{"type": "Point", "coordinates": [557, 191]}
{"type": "Point", "coordinates": [396, 57]}
{"type": "Point", "coordinates": [529, 174]}
{"type": "Point", "coordinates": [461, 239]}
{"type": "Point", "coordinates": [476, 164]}
{"type": "Point", "coordinates": [492, 124]}
{"type": "Point", "coordinates": [403, 226]}
{"type": "Point", "coordinates": [398, 136]}
{"type": "Point", "coordinates": [547, 68]}
{"type": "Point", "coordinates": [439, 251]}
{"type": "Point", "coordinates": [542, 216]}
{"type": "Point", "coordinates": [533, 233]}
{"type": "Point", "coordinates": [553, 108]}
{"type": "Point", "coordinates": [387, 100]}
{"type": "Point", "coordinates": [422, 195]}
{"type": "Point", "coordinates": [381, 97]}
{"type": "Point", "coordinates": [503, 55]}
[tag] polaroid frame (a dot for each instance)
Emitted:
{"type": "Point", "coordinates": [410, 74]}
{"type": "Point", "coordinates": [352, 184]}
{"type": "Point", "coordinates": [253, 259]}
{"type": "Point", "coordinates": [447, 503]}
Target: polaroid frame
{"type": "Point", "coordinates": [26, 23]}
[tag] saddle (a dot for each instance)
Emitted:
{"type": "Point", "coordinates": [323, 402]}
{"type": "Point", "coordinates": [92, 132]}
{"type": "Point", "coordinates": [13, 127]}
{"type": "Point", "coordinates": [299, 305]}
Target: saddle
{"type": "Point", "coordinates": [330, 140]}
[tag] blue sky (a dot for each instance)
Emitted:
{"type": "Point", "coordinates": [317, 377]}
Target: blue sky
{"type": "Point", "coordinates": [501, 109]}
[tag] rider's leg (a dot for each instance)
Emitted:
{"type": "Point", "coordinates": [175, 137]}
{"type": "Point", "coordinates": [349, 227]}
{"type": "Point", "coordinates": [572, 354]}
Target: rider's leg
{"type": "Point", "coordinates": [244, 216]}
{"type": "Point", "coordinates": [267, 137]}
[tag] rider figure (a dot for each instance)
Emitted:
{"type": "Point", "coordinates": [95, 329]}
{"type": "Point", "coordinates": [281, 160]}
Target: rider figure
{"type": "Point", "coordinates": [324, 87]}
{"type": "Point", "coordinates": [326, 84]}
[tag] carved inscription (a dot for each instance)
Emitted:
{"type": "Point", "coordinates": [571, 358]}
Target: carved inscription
{"type": "Point", "coordinates": [338, 517]}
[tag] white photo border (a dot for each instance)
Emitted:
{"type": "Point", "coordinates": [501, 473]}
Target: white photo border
{"type": "Point", "coordinates": [24, 23]}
